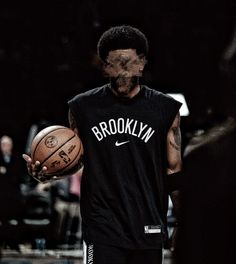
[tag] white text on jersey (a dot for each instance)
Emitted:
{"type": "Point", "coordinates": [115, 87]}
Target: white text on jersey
{"type": "Point", "coordinates": [123, 126]}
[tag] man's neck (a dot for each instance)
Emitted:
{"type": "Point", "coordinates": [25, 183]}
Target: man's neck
{"type": "Point", "coordinates": [131, 94]}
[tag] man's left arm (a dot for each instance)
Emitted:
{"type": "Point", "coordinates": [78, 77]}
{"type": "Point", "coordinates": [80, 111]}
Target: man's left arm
{"type": "Point", "coordinates": [174, 167]}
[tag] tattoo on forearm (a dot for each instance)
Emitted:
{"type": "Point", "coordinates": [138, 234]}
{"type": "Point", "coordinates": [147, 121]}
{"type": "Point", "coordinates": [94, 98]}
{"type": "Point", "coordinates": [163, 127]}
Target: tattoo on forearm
{"type": "Point", "coordinates": [177, 136]}
{"type": "Point", "coordinates": [176, 143]}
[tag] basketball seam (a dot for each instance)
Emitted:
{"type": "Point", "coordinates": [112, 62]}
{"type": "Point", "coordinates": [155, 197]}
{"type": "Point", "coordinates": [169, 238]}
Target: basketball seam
{"type": "Point", "coordinates": [61, 170]}
{"type": "Point", "coordinates": [43, 139]}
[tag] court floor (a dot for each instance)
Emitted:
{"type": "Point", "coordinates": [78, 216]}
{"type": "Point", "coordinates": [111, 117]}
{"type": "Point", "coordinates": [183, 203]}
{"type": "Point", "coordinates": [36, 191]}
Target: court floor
{"type": "Point", "coordinates": [52, 257]}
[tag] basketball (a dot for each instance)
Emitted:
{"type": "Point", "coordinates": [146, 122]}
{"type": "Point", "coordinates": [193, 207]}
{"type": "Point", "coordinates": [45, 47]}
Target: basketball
{"type": "Point", "coordinates": [58, 148]}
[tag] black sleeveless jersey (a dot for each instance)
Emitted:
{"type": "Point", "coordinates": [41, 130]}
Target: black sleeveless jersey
{"type": "Point", "coordinates": [124, 200]}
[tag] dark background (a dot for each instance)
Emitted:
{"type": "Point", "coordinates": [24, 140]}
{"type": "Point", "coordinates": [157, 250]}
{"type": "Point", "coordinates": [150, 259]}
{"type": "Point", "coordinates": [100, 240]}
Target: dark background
{"type": "Point", "coordinates": [48, 54]}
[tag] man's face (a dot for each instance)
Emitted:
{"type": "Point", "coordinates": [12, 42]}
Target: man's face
{"type": "Point", "coordinates": [124, 67]}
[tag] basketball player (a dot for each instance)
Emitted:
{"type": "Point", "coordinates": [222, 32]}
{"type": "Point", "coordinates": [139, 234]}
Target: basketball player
{"type": "Point", "coordinates": [132, 156]}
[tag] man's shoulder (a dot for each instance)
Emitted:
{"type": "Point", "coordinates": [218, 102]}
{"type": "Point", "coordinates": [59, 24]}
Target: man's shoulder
{"type": "Point", "coordinates": [160, 97]}
{"type": "Point", "coordinates": [152, 92]}
{"type": "Point", "coordinates": [92, 93]}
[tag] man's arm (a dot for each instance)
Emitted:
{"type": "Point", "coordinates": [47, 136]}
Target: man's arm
{"type": "Point", "coordinates": [174, 147]}
{"type": "Point", "coordinates": [174, 167]}
{"type": "Point", "coordinates": [174, 159]}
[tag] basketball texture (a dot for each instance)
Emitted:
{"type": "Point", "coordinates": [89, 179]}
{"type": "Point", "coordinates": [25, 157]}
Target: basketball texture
{"type": "Point", "coordinates": [58, 148]}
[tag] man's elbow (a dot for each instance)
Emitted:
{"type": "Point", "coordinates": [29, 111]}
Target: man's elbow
{"type": "Point", "coordinates": [174, 167]}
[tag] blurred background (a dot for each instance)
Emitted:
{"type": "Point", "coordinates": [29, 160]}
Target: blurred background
{"type": "Point", "coordinates": [48, 55]}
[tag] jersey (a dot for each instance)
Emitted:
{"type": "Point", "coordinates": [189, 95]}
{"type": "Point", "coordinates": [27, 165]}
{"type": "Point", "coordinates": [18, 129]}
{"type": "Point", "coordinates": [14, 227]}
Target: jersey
{"type": "Point", "coordinates": [124, 197]}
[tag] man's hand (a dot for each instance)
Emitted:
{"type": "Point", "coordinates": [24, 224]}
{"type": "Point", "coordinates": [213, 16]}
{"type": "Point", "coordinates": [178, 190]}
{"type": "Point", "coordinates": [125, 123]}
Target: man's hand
{"type": "Point", "coordinates": [34, 169]}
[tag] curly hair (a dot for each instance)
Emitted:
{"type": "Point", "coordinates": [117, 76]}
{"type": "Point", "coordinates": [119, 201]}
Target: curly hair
{"type": "Point", "coordinates": [122, 37]}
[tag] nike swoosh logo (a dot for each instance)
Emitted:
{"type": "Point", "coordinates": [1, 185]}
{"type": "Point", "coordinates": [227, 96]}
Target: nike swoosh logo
{"type": "Point", "coordinates": [121, 143]}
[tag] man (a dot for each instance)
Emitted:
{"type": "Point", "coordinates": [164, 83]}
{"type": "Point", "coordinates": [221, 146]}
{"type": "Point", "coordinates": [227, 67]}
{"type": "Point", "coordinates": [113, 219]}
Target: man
{"type": "Point", "coordinates": [132, 156]}
{"type": "Point", "coordinates": [11, 199]}
{"type": "Point", "coordinates": [11, 176]}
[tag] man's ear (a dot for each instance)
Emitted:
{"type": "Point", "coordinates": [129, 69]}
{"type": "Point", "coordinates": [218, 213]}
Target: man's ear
{"type": "Point", "coordinates": [143, 62]}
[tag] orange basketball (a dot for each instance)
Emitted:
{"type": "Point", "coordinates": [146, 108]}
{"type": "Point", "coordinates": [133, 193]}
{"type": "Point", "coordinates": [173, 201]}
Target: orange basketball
{"type": "Point", "coordinates": [58, 148]}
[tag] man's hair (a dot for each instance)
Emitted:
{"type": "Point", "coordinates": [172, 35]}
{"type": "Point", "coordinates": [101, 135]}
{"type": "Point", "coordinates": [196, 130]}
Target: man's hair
{"type": "Point", "coordinates": [122, 37]}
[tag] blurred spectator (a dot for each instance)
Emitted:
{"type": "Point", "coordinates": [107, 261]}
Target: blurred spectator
{"type": "Point", "coordinates": [11, 199]}
{"type": "Point", "coordinates": [210, 181]}
{"type": "Point", "coordinates": [11, 173]}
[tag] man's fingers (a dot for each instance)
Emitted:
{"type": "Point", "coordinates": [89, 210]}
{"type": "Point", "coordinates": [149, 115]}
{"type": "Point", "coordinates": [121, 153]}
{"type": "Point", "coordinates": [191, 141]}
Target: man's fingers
{"type": "Point", "coordinates": [37, 164]}
{"type": "Point", "coordinates": [33, 168]}
{"type": "Point", "coordinates": [43, 171]}
{"type": "Point", "coordinates": [27, 158]}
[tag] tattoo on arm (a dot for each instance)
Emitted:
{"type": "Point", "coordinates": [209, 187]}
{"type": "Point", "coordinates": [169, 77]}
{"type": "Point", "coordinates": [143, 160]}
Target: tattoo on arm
{"type": "Point", "coordinates": [175, 140]}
